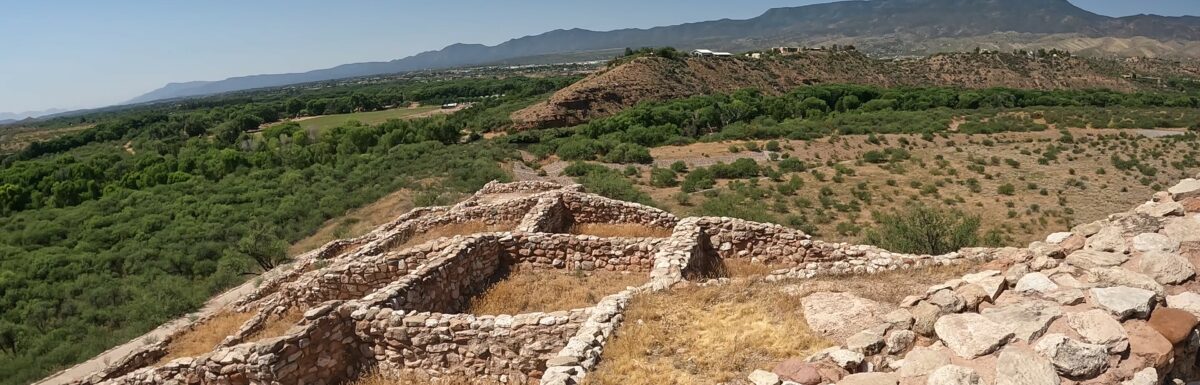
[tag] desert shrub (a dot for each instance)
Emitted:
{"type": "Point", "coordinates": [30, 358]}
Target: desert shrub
{"type": "Point", "coordinates": [698, 179]}
{"type": "Point", "coordinates": [739, 169]}
{"type": "Point", "coordinates": [1007, 189]}
{"type": "Point", "coordinates": [662, 177]}
{"type": "Point", "coordinates": [679, 166]}
{"type": "Point", "coordinates": [925, 230]}
{"type": "Point", "coordinates": [628, 153]}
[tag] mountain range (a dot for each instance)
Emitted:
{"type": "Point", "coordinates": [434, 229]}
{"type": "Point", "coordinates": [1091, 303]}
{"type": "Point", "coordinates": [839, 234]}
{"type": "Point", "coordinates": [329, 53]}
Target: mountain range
{"type": "Point", "coordinates": [880, 27]}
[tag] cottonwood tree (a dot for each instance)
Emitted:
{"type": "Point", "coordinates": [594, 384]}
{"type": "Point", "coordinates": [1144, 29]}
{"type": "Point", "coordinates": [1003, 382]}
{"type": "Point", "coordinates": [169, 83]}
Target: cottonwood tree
{"type": "Point", "coordinates": [263, 246]}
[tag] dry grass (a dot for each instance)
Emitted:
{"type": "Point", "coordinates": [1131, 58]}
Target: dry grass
{"type": "Point", "coordinates": [705, 335]}
{"type": "Point", "coordinates": [204, 337]}
{"type": "Point", "coordinates": [716, 334]}
{"type": "Point", "coordinates": [452, 229]}
{"type": "Point", "coordinates": [546, 291]}
{"type": "Point", "coordinates": [620, 230]}
{"type": "Point", "coordinates": [376, 377]}
{"type": "Point", "coordinates": [735, 268]}
{"type": "Point", "coordinates": [278, 325]}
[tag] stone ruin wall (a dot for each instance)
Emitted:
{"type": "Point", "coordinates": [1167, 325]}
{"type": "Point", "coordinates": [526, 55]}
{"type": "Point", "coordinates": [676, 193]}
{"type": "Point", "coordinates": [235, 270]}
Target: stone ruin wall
{"type": "Point", "coordinates": [407, 324]}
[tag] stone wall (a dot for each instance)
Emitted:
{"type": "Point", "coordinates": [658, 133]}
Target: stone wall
{"type": "Point", "coordinates": [445, 284]}
{"type": "Point", "coordinates": [579, 252]}
{"type": "Point", "coordinates": [504, 348]}
{"type": "Point", "coordinates": [588, 208]}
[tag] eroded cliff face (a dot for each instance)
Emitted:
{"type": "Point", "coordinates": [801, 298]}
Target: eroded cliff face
{"type": "Point", "coordinates": [654, 79]}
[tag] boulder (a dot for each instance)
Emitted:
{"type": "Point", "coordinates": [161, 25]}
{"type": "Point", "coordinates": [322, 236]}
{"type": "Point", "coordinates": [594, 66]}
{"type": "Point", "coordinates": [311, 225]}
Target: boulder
{"type": "Point", "coordinates": [954, 375]}
{"type": "Point", "coordinates": [948, 301]}
{"type": "Point", "coordinates": [1166, 268]}
{"type": "Point", "coordinates": [1148, 345]}
{"type": "Point", "coordinates": [922, 361]}
{"type": "Point", "coordinates": [1187, 301]}
{"type": "Point", "coordinates": [991, 281]}
{"type": "Point", "coordinates": [1154, 242]}
{"type": "Point", "coordinates": [1035, 283]}
{"type": "Point", "coordinates": [1098, 327]}
{"type": "Point", "coordinates": [1187, 188]}
{"type": "Point", "coordinates": [847, 359]}
{"type": "Point", "coordinates": [1073, 358]}
{"type": "Point", "coordinates": [797, 370]}
{"type": "Point", "coordinates": [1027, 320]}
{"type": "Point", "coordinates": [1147, 376]}
{"type": "Point", "coordinates": [1091, 259]}
{"type": "Point", "coordinates": [899, 319]}
{"type": "Point", "coordinates": [971, 335]}
{"type": "Point", "coordinates": [1022, 367]}
{"type": "Point", "coordinates": [840, 315]}
{"type": "Point", "coordinates": [1058, 238]}
{"type": "Point", "coordinates": [1184, 229]}
{"type": "Point", "coordinates": [1124, 302]}
{"type": "Point", "coordinates": [1161, 209]}
{"type": "Point", "coordinates": [1115, 276]}
{"type": "Point", "coordinates": [763, 377]}
{"type": "Point", "coordinates": [899, 341]}
{"type": "Point", "coordinates": [868, 341]}
{"type": "Point", "coordinates": [875, 378]}
{"type": "Point", "coordinates": [1174, 324]}
{"type": "Point", "coordinates": [925, 315]}
{"type": "Point", "coordinates": [1108, 239]}
{"type": "Point", "coordinates": [1066, 296]}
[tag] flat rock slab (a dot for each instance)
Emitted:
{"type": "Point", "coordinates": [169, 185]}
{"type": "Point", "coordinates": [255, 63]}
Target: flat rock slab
{"type": "Point", "coordinates": [971, 335]}
{"type": "Point", "coordinates": [1188, 301]}
{"type": "Point", "coordinates": [1154, 242]}
{"type": "Point", "coordinates": [875, 378]}
{"type": "Point", "coordinates": [1124, 302]}
{"type": "Point", "coordinates": [840, 315]}
{"type": "Point", "coordinates": [1187, 188]}
{"type": "Point", "coordinates": [1185, 229]}
{"type": "Point", "coordinates": [1018, 366]}
{"type": "Point", "coordinates": [954, 375]}
{"type": "Point", "coordinates": [1099, 327]}
{"type": "Point", "coordinates": [1174, 324]}
{"type": "Point", "coordinates": [1090, 259]}
{"type": "Point", "coordinates": [1026, 320]}
{"type": "Point", "coordinates": [1035, 283]}
{"type": "Point", "coordinates": [1166, 268]}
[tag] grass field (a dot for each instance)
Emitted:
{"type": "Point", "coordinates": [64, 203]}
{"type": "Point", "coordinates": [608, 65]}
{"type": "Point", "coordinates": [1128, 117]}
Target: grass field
{"type": "Point", "coordinates": [368, 118]}
{"type": "Point", "coordinates": [15, 139]}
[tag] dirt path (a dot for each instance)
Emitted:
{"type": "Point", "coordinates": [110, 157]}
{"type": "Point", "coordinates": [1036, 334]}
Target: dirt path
{"type": "Point", "coordinates": [115, 354]}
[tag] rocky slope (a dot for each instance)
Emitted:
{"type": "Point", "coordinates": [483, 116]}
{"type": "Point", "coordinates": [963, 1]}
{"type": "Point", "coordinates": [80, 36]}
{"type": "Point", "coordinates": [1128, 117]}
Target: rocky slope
{"type": "Point", "coordinates": [653, 78]}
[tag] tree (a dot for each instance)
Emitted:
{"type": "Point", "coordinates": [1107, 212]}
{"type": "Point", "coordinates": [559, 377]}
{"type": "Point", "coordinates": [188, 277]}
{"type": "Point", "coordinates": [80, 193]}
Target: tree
{"type": "Point", "coordinates": [925, 230]}
{"type": "Point", "coordinates": [263, 246]}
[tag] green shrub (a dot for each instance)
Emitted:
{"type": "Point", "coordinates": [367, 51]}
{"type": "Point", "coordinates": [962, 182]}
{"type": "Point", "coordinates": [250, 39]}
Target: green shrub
{"type": "Point", "coordinates": [662, 177]}
{"type": "Point", "coordinates": [925, 230]}
{"type": "Point", "coordinates": [628, 153]}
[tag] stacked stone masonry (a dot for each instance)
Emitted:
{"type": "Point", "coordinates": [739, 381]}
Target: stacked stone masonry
{"type": "Point", "coordinates": [1110, 302]}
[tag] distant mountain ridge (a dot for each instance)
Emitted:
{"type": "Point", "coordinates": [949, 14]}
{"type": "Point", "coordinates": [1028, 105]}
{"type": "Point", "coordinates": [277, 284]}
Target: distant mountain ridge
{"type": "Point", "coordinates": [9, 117]}
{"type": "Point", "coordinates": [879, 24]}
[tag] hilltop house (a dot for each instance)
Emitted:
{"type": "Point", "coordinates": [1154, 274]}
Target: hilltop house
{"type": "Point", "coordinates": [709, 53]}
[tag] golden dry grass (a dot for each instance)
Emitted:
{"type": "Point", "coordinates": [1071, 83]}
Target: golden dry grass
{"type": "Point", "coordinates": [620, 230]}
{"type": "Point", "coordinates": [204, 337]}
{"type": "Point", "coordinates": [547, 291]}
{"type": "Point", "coordinates": [716, 334]}
{"type": "Point", "coordinates": [376, 377]}
{"type": "Point", "coordinates": [452, 229]}
{"type": "Point", "coordinates": [734, 268]}
{"type": "Point", "coordinates": [278, 325]}
{"type": "Point", "coordinates": [705, 335]}
{"type": "Point", "coordinates": [357, 222]}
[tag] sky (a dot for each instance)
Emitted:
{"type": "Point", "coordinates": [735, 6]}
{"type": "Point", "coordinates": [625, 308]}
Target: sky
{"type": "Point", "coordinates": [84, 53]}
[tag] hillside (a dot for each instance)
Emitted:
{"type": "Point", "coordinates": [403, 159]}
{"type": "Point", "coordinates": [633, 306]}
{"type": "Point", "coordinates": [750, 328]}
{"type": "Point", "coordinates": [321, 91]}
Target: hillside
{"type": "Point", "coordinates": [884, 26]}
{"type": "Point", "coordinates": [656, 78]}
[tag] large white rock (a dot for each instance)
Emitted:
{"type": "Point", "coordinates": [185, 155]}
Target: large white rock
{"type": "Point", "coordinates": [1027, 320]}
{"type": "Point", "coordinates": [840, 315]}
{"type": "Point", "coordinates": [971, 335]}
{"type": "Point", "coordinates": [1166, 268]}
{"type": "Point", "coordinates": [763, 377]}
{"type": "Point", "coordinates": [1036, 283]}
{"type": "Point", "coordinates": [1184, 229]}
{"type": "Point", "coordinates": [1022, 367]}
{"type": "Point", "coordinates": [1115, 276]}
{"type": "Point", "coordinates": [921, 361]}
{"type": "Point", "coordinates": [1098, 327]}
{"type": "Point", "coordinates": [1058, 238]}
{"type": "Point", "coordinates": [954, 375]}
{"type": "Point", "coordinates": [1186, 301]}
{"type": "Point", "coordinates": [1187, 188]}
{"type": "Point", "coordinates": [991, 281]}
{"type": "Point", "coordinates": [1154, 242]}
{"type": "Point", "coordinates": [1124, 302]}
{"type": "Point", "coordinates": [1090, 259]}
{"type": "Point", "coordinates": [1073, 358]}
{"type": "Point", "coordinates": [1109, 239]}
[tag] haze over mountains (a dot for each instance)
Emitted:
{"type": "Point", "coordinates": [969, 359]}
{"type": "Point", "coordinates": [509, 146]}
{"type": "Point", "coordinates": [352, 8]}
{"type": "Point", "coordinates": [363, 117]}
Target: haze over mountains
{"type": "Point", "coordinates": [881, 27]}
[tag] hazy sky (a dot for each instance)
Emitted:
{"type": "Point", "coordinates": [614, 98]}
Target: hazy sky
{"type": "Point", "coordinates": [86, 53]}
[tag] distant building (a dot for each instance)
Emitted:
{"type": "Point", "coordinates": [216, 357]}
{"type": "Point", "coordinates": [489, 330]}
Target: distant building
{"type": "Point", "coordinates": [449, 105]}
